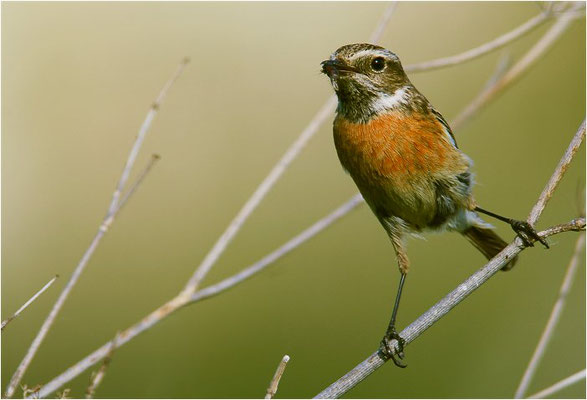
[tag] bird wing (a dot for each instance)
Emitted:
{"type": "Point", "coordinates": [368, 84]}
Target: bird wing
{"type": "Point", "coordinates": [447, 130]}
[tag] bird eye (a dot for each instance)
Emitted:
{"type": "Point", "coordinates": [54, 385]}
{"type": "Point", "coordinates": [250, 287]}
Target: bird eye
{"type": "Point", "coordinates": [378, 64]}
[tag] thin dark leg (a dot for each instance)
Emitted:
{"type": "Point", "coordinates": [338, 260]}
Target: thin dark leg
{"type": "Point", "coordinates": [397, 299]}
{"type": "Point", "coordinates": [391, 332]}
{"type": "Point", "coordinates": [524, 230]}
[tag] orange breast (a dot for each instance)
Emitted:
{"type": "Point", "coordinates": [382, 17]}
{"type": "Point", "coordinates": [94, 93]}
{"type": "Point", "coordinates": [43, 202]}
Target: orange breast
{"type": "Point", "coordinates": [395, 159]}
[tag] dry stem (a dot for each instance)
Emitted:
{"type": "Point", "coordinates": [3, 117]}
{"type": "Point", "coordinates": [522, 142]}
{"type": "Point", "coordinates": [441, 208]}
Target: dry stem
{"type": "Point", "coordinates": [552, 320]}
{"type": "Point", "coordinates": [272, 389]}
{"type": "Point", "coordinates": [484, 48]}
{"type": "Point", "coordinates": [273, 176]}
{"type": "Point", "coordinates": [531, 56]}
{"type": "Point", "coordinates": [560, 385]}
{"type": "Point", "coordinates": [29, 301]}
{"type": "Point", "coordinates": [426, 320]}
{"type": "Point", "coordinates": [106, 222]}
{"type": "Point", "coordinates": [99, 376]}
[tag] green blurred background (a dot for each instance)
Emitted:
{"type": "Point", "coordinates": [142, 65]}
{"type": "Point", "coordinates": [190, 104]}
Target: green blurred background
{"type": "Point", "coordinates": [77, 80]}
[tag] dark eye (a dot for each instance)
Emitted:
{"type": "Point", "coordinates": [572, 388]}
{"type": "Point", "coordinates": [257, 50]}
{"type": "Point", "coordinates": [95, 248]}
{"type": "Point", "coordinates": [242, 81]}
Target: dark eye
{"type": "Point", "coordinates": [378, 64]}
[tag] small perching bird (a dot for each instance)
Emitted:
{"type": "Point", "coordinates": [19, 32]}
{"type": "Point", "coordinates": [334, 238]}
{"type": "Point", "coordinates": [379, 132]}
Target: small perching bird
{"type": "Point", "coordinates": [403, 157]}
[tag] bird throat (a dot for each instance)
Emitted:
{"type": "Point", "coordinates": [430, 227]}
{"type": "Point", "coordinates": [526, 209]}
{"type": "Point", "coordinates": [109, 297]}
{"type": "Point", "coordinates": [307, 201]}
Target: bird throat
{"type": "Point", "coordinates": [360, 104]}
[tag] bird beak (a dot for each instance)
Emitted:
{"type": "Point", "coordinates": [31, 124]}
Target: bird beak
{"type": "Point", "coordinates": [335, 67]}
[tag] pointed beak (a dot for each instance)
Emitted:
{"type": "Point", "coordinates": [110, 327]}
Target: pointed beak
{"type": "Point", "coordinates": [335, 67]}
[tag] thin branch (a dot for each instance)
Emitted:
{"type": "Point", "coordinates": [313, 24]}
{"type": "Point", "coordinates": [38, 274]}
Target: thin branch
{"type": "Point", "coordinates": [557, 175]}
{"type": "Point", "coordinates": [383, 22]}
{"type": "Point", "coordinates": [440, 309]}
{"type": "Point", "coordinates": [99, 376]}
{"type": "Point", "coordinates": [560, 385]}
{"type": "Point", "coordinates": [273, 176]}
{"type": "Point", "coordinates": [293, 243]}
{"type": "Point", "coordinates": [142, 175]}
{"type": "Point", "coordinates": [484, 48]}
{"type": "Point", "coordinates": [533, 55]}
{"type": "Point", "coordinates": [467, 113]}
{"type": "Point", "coordinates": [553, 9]}
{"type": "Point", "coordinates": [552, 320]}
{"type": "Point", "coordinates": [181, 300]}
{"type": "Point", "coordinates": [134, 152]}
{"type": "Point", "coordinates": [258, 195]}
{"type": "Point", "coordinates": [29, 301]}
{"type": "Point", "coordinates": [106, 222]}
{"type": "Point", "coordinates": [272, 389]}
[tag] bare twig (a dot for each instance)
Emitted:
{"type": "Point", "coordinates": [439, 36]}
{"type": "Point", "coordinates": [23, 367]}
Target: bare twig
{"type": "Point", "coordinates": [31, 392]}
{"type": "Point", "coordinates": [274, 175]}
{"type": "Point", "coordinates": [441, 308]}
{"type": "Point", "coordinates": [64, 394]}
{"type": "Point", "coordinates": [557, 175]}
{"type": "Point", "coordinates": [97, 378]}
{"type": "Point", "coordinates": [293, 243]}
{"type": "Point", "coordinates": [484, 48]}
{"type": "Point", "coordinates": [135, 185]}
{"type": "Point", "coordinates": [134, 152]}
{"type": "Point", "coordinates": [106, 222]}
{"type": "Point", "coordinates": [29, 301]}
{"type": "Point", "coordinates": [426, 320]}
{"type": "Point", "coordinates": [383, 22]}
{"type": "Point", "coordinates": [560, 385]}
{"type": "Point", "coordinates": [533, 55]}
{"type": "Point", "coordinates": [272, 389]}
{"type": "Point", "coordinates": [180, 301]}
{"type": "Point", "coordinates": [552, 320]}
{"type": "Point", "coordinates": [466, 114]}
{"type": "Point", "coordinates": [258, 195]}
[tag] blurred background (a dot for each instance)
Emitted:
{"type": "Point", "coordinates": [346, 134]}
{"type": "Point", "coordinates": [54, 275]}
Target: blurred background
{"type": "Point", "coordinates": [78, 79]}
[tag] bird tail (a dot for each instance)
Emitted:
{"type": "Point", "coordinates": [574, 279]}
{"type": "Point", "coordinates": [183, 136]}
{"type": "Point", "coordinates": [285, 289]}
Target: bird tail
{"type": "Point", "coordinates": [488, 243]}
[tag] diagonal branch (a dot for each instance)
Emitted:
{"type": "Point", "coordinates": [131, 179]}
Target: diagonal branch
{"type": "Point", "coordinates": [551, 10]}
{"type": "Point", "coordinates": [484, 48]}
{"type": "Point", "coordinates": [29, 301]}
{"type": "Point", "coordinates": [560, 385]}
{"type": "Point", "coordinates": [180, 301]}
{"type": "Point", "coordinates": [106, 222]}
{"type": "Point", "coordinates": [273, 176]}
{"type": "Point", "coordinates": [552, 320]}
{"type": "Point", "coordinates": [527, 60]}
{"type": "Point", "coordinates": [441, 308]}
{"type": "Point", "coordinates": [557, 175]}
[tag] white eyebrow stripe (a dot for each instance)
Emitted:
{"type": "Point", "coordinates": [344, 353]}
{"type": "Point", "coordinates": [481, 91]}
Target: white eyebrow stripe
{"type": "Point", "coordinates": [370, 52]}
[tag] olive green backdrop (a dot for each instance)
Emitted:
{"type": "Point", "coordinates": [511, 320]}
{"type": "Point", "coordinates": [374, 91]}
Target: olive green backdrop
{"type": "Point", "coordinates": [77, 80]}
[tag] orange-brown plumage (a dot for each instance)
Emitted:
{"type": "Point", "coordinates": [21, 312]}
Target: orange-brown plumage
{"type": "Point", "coordinates": [395, 160]}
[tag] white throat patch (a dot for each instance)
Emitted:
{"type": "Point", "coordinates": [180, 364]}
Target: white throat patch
{"type": "Point", "coordinates": [388, 102]}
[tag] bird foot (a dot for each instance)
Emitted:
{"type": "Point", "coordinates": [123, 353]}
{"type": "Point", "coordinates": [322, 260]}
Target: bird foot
{"type": "Point", "coordinates": [386, 350]}
{"type": "Point", "coordinates": [527, 233]}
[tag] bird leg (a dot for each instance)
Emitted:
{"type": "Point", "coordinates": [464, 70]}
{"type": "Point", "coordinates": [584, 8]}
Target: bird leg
{"type": "Point", "coordinates": [391, 332]}
{"type": "Point", "coordinates": [522, 228]}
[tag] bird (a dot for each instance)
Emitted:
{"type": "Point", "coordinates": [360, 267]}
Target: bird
{"type": "Point", "coordinates": [404, 158]}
